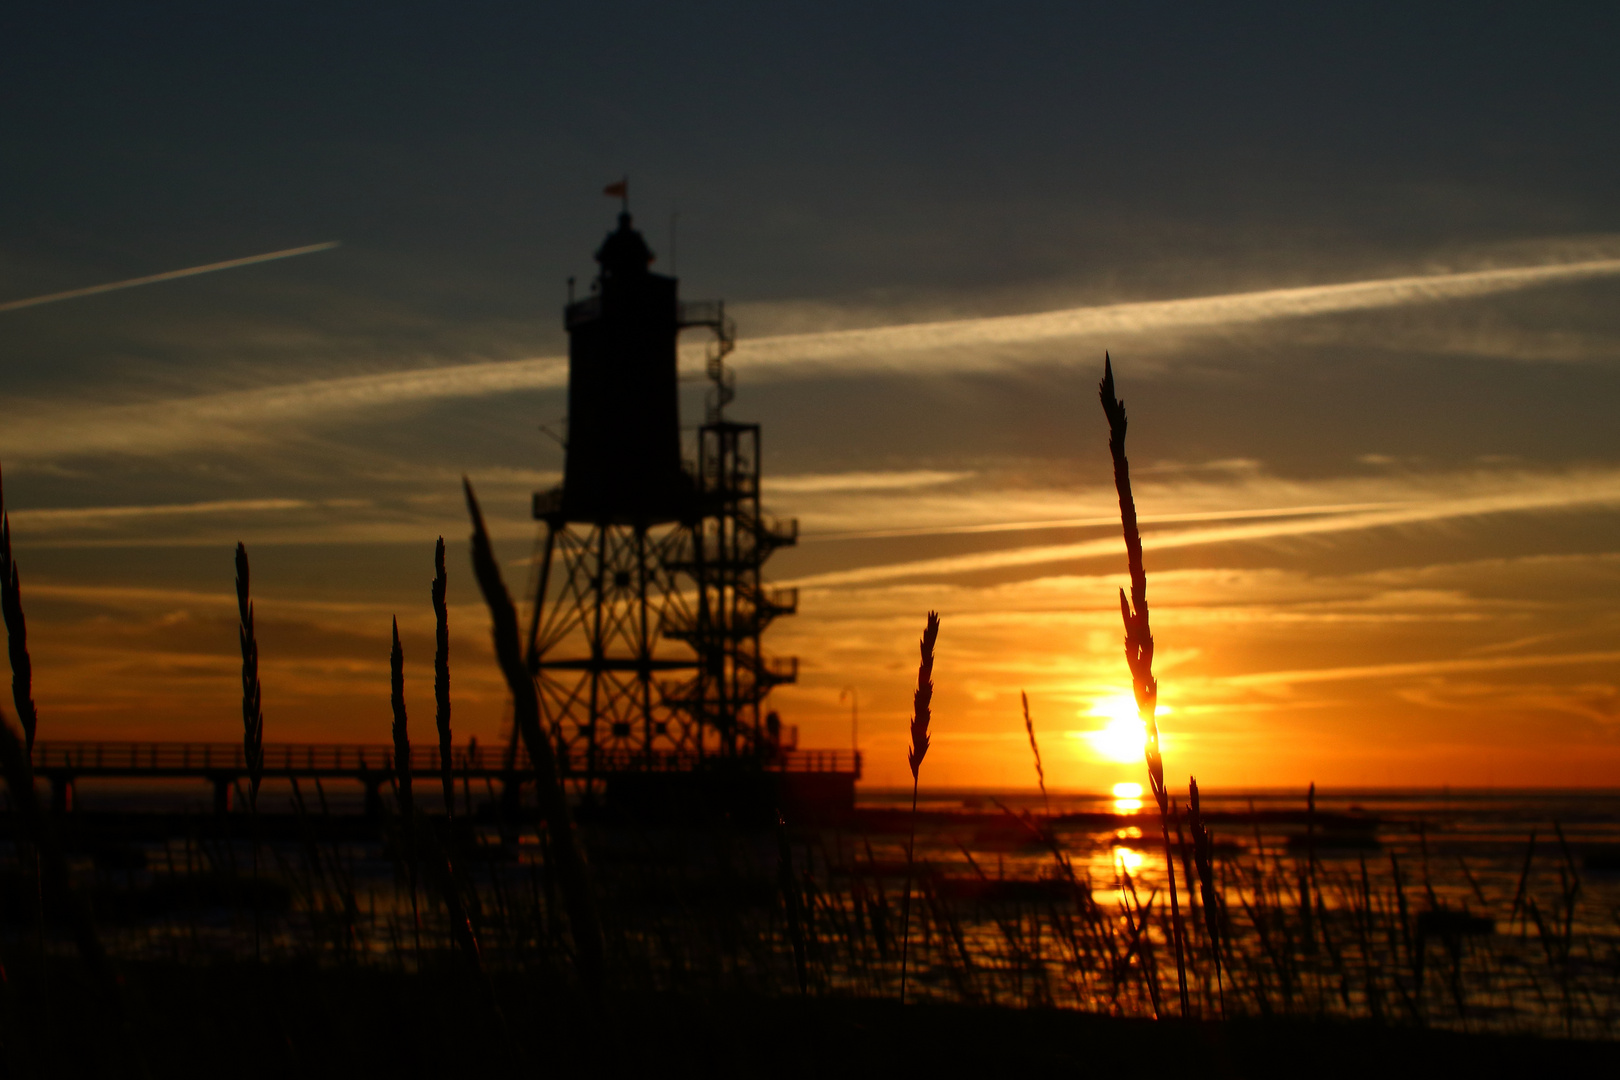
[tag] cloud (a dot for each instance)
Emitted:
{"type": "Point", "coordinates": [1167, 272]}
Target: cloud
{"type": "Point", "coordinates": [1420, 668]}
{"type": "Point", "coordinates": [1094, 521]}
{"type": "Point", "coordinates": [861, 481]}
{"type": "Point", "coordinates": [237, 418]}
{"type": "Point", "coordinates": [244, 417]}
{"type": "Point", "coordinates": [91, 516]}
{"type": "Point", "coordinates": [1514, 493]}
{"type": "Point", "coordinates": [861, 505]}
{"type": "Point", "coordinates": [274, 604]}
{"type": "Point", "coordinates": [886, 346]}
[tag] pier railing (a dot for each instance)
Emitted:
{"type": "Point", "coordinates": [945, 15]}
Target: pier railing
{"type": "Point", "coordinates": [207, 759]}
{"type": "Point", "coordinates": [202, 758]}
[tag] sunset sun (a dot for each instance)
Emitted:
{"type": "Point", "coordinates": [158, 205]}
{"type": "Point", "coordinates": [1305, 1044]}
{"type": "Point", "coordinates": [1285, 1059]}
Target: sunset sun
{"type": "Point", "coordinates": [1121, 736]}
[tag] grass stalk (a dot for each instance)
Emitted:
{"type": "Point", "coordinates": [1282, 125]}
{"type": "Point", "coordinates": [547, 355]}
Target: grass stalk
{"type": "Point", "coordinates": [1203, 859]}
{"type": "Point", "coordinates": [461, 927]}
{"type": "Point", "coordinates": [22, 690]}
{"type": "Point", "coordinates": [34, 827]}
{"type": "Point", "coordinates": [584, 922]}
{"type": "Point", "coordinates": [441, 679]}
{"type": "Point", "coordinates": [252, 720]}
{"type": "Point", "coordinates": [789, 886]}
{"type": "Point", "coordinates": [1139, 651]}
{"type": "Point", "coordinates": [402, 777]}
{"type": "Point", "coordinates": [1307, 874]}
{"type": "Point", "coordinates": [22, 669]}
{"type": "Point", "coordinates": [1035, 748]}
{"type": "Point", "coordinates": [1519, 894]}
{"type": "Point", "coordinates": [921, 701]}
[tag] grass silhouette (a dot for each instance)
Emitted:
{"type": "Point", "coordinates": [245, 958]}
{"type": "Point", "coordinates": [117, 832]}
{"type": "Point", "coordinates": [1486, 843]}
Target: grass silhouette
{"type": "Point", "coordinates": [584, 923]}
{"type": "Point", "coordinates": [921, 701]}
{"type": "Point", "coordinates": [441, 679]}
{"type": "Point", "coordinates": [252, 717]}
{"type": "Point", "coordinates": [22, 668]}
{"type": "Point", "coordinates": [1139, 654]}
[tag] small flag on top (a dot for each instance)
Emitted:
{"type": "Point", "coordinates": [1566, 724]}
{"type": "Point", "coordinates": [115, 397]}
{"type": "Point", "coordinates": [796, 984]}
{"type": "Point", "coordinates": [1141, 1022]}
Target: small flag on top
{"type": "Point", "coordinates": [619, 189]}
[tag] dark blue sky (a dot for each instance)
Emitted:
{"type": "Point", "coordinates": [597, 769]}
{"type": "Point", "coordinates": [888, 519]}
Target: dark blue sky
{"type": "Point", "coordinates": [814, 150]}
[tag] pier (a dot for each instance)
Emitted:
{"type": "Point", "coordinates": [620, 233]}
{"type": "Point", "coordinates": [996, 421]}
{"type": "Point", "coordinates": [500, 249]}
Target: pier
{"type": "Point", "coordinates": [223, 765]}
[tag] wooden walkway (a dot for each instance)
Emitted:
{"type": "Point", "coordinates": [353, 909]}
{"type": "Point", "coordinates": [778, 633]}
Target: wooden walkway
{"type": "Point", "coordinates": [224, 765]}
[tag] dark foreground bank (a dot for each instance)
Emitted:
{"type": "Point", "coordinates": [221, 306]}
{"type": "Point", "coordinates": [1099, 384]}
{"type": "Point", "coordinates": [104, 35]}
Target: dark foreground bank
{"type": "Point", "coordinates": [248, 1021]}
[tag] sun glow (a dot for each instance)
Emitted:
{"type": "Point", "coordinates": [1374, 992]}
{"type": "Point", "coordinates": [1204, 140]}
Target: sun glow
{"type": "Point", "coordinates": [1123, 738]}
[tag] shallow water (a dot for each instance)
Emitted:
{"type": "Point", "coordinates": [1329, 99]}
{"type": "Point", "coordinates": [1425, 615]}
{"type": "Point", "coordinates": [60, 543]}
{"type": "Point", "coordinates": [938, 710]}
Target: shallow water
{"type": "Point", "coordinates": [1431, 907]}
{"type": "Point", "coordinates": [1427, 907]}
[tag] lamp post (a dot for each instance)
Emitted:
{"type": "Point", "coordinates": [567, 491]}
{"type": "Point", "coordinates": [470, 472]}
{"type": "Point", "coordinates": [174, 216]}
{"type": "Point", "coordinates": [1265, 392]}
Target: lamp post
{"type": "Point", "coordinates": [854, 716]}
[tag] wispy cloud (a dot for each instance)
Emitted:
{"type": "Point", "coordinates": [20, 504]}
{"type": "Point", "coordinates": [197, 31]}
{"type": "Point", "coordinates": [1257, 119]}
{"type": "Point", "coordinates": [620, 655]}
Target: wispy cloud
{"type": "Point", "coordinates": [1420, 668]}
{"type": "Point", "coordinates": [1515, 493]}
{"type": "Point", "coordinates": [1095, 521]}
{"type": "Point", "coordinates": [129, 598]}
{"type": "Point", "coordinates": [55, 430]}
{"type": "Point", "coordinates": [977, 338]}
{"type": "Point", "coordinates": [861, 506]}
{"type": "Point", "coordinates": [91, 516]}
{"type": "Point", "coordinates": [861, 481]}
{"type": "Point", "coordinates": [244, 417]}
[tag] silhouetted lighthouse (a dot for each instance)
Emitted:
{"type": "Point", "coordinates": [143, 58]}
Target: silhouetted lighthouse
{"type": "Point", "coordinates": [649, 601]}
{"type": "Point", "coordinates": [624, 441]}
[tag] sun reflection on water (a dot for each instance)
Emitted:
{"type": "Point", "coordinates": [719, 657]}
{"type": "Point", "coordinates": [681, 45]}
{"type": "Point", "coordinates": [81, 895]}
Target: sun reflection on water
{"type": "Point", "coordinates": [1127, 798]}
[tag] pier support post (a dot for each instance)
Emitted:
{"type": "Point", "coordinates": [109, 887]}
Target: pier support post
{"type": "Point", "coordinates": [374, 803]}
{"type": "Point", "coordinates": [222, 795]}
{"type": "Point", "coordinates": [61, 794]}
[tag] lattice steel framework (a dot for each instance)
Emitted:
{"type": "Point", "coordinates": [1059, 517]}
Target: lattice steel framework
{"type": "Point", "coordinates": [596, 652]}
{"type": "Point", "coordinates": [645, 641]}
{"type": "Point", "coordinates": [723, 553]}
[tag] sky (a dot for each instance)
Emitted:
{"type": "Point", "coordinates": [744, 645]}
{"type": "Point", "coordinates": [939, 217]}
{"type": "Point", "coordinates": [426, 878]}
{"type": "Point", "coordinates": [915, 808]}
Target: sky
{"type": "Point", "coordinates": [1357, 268]}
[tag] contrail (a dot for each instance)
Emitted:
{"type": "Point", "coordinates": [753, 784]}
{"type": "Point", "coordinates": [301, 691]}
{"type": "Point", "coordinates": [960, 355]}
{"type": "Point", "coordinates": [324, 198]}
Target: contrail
{"type": "Point", "coordinates": [167, 275]}
{"type": "Point", "coordinates": [964, 345]}
{"type": "Point", "coordinates": [970, 339]}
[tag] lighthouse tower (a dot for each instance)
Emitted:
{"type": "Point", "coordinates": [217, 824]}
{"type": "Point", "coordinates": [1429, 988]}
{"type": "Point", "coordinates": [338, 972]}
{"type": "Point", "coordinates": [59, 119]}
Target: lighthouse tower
{"type": "Point", "coordinates": [649, 603]}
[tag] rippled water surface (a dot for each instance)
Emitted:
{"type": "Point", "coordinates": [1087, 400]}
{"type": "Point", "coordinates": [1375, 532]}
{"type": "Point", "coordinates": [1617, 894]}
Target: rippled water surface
{"type": "Point", "coordinates": [1469, 910]}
